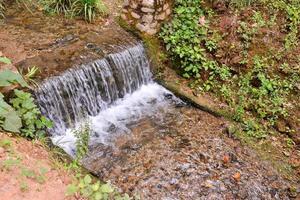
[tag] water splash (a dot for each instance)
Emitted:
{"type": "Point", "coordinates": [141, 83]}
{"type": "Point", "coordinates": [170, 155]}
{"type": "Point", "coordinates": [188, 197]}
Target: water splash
{"type": "Point", "coordinates": [150, 101]}
{"type": "Point", "coordinates": [88, 89]}
{"type": "Point", "coordinates": [113, 93]}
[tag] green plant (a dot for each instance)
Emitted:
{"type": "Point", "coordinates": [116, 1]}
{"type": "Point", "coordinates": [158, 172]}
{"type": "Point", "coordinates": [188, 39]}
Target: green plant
{"type": "Point", "coordinates": [2, 10]}
{"type": "Point", "coordinates": [289, 142]}
{"type": "Point", "coordinates": [184, 35]}
{"type": "Point", "coordinates": [34, 123]}
{"type": "Point", "coordinates": [84, 185]}
{"type": "Point", "coordinates": [82, 134]}
{"type": "Point", "coordinates": [21, 115]}
{"type": "Point", "coordinates": [189, 41]}
{"type": "Point", "coordinates": [5, 143]}
{"type": "Point", "coordinates": [10, 162]}
{"type": "Point", "coordinates": [31, 174]}
{"type": "Point", "coordinates": [30, 74]}
{"type": "Point", "coordinates": [293, 13]}
{"type": "Point", "coordinates": [238, 4]}
{"type": "Point", "coordinates": [24, 186]}
{"type": "Point", "coordinates": [88, 9]}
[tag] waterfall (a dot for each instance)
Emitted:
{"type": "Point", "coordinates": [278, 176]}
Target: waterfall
{"type": "Point", "coordinates": [111, 92]}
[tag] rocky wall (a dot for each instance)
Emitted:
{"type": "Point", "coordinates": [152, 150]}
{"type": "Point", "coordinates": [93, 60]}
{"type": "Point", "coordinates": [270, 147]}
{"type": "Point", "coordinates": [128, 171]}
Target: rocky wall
{"type": "Point", "coordinates": [146, 15]}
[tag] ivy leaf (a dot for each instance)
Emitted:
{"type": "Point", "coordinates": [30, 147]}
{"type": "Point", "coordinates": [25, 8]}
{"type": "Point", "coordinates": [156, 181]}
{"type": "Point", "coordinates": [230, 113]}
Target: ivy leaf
{"type": "Point", "coordinates": [87, 179]}
{"type": "Point", "coordinates": [106, 188]}
{"type": "Point", "coordinates": [12, 122]}
{"type": "Point", "coordinates": [7, 78]}
{"type": "Point", "coordinates": [5, 60]}
{"type": "Point", "coordinates": [71, 190]}
{"type": "Point", "coordinates": [98, 196]}
{"type": "Point", "coordinates": [96, 186]}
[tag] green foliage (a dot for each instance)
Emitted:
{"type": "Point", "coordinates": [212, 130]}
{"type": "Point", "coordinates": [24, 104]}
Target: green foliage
{"type": "Point", "coordinates": [24, 186]}
{"type": "Point", "coordinates": [34, 123]}
{"type": "Point", "coordinates": [40, 176]}
{"type": "Point", "coordinates": [90, 190]}
{"type": "Point", "coordinates": [258, 97]}
{"type": "Point", "coordinates": [293, 13]}
{"type": "Point", "coordinates": [5, 143]}
{"type": "Point", "coordinates": [10, 162]}
{"type": "Point", "coordinates": [188, 39]}
{"type": "Point", "coordinates": [2, 10]}
{"type": "Point", "coordinates": [238, 4]}
{"type": "Point", "coordinates": [88, 9]}
{"type": "Point", "coordinates": [5, 60]}
{"type": "Point", "coordinates": [257, 93]}
{"type": "Point", "coordinates": [9, 118]}
{"type": "Point", "coordinates": [21, 114]}
{"type": "Point", "coordinates": [84, 185]}
{"type": "Point", "coordinates": [83, 135]}
{"type": "Point", "coordinates": [184, 36]}
{"type": "Point", "coordinates": [8, 78]}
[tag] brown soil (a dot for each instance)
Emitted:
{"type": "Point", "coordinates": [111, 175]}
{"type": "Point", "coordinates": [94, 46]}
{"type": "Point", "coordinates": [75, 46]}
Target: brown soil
{"type": "Point", "coordinates": [32, 156]}
{"type": "Point", "coordinates": [55, 43]}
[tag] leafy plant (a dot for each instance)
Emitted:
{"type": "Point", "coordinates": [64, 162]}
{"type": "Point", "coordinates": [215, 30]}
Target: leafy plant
{"type": "Point", "coordinates": [9, 163]}
{"type": "Point", "coordinates": [84, 185]}
{"type": "Point", "coordinates": [88, 9]}
{"type": "Point", "coordinates": [240, 3]}
{"type": "Point", "coordinates": [2, 10]}
{"type": "Point", "coordinates": [34, 123]}
{"type": "Point", "coordinates": [21, 114]}
{"type": "Point", "coordinates": [30, 74]}
{"type": "Point", "coordinates": [184, 35]}
{"type": "Point", "coordinates": [31, 174]}
{"type": "Point", "coordinates": [24, 186]}
{"type": "Point", "coordinates": [5, 143]}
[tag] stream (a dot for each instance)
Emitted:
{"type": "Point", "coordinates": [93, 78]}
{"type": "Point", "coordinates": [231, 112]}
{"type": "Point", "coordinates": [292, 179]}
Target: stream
{"type": "Point", "coordinates": [146, 140]}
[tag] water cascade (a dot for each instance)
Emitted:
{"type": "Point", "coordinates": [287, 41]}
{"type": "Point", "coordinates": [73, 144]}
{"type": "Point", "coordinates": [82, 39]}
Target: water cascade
{"type": "Point", "coordinates": [111, 93]}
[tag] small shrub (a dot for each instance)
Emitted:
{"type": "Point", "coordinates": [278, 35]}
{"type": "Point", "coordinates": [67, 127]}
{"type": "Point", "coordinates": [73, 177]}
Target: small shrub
{"type": "Point", "coordinates": [20, 114]}
{"type": "Point", "coordinates": [34, 123]}
{"type": "Point", "coordinates": [238, 4]}
{"type": "Point", "coordinates": [2, 9]}
{"type": "Point", "coordinates": [88, 9]}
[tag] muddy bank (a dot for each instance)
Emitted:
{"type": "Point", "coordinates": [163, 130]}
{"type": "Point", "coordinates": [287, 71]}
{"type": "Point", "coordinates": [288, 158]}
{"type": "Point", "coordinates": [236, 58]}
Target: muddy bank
{"type": "Point", "coordinates": [55, 43]}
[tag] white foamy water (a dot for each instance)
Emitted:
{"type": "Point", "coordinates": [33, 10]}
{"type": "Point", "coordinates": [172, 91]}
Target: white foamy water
{"type": "Point", "coordinates": [151, 100]}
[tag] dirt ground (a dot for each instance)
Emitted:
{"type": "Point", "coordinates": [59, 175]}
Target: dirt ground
{"type": "Point", "coordinates": [28, 173]}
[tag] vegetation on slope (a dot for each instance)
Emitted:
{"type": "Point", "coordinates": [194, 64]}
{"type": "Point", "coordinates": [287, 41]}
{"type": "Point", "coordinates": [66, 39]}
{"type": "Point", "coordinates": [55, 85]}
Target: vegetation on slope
{"type": "Point", "coordinates": [243, 51]}
{"type": "Point", "coordinates": [86, 9]}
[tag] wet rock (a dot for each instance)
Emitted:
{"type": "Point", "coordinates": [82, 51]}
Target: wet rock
{"type": "Point", "coordinates": [141, 27]}
{"type": "Point", "coordinates": [125, 3]}
{"type": "Point", "coordinates": [161, 16]}
{"type": "Point", "coordinates": [147, 10]}
{"type": "Point", "coordinates": [135, 15]}
{"type": "Point", "coordinates": [133, 5]}
{"type": "Point", "coordinates": [148, 3]}
{"type": "Point", "coordinates": [147, 19]}
{"type": "Point", "coordinates": [154, 24]}
{"type": "Point", "coordinates": [174, 181]}
{"type": "Point", "coordinates": [124, 17]}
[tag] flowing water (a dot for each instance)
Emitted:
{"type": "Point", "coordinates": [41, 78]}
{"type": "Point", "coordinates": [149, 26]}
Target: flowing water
{"type": "Point", "coordinates": [111, 94]}
{"type": "Point", "coordinates": [144, 140]}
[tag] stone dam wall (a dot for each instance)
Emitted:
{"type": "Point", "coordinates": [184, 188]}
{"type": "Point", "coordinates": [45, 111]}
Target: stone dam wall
{"type": "Point", "coordinates": [146, 15]}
